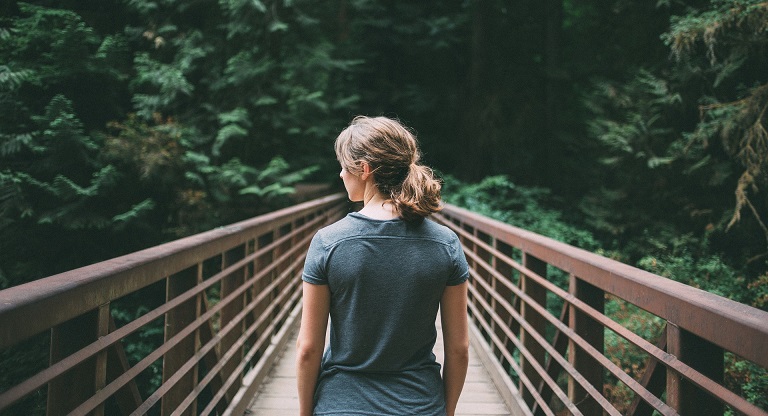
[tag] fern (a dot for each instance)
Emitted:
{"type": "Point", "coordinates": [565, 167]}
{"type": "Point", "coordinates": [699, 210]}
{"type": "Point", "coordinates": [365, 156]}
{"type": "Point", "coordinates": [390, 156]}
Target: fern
{"type": "Point", "coordinates": [11, 80]}
{"type": "Point", "coordinates": [11, 144]}
{"type": "Point", "coordinates": [234, 125]}
{"type": "Point", "coordinates": [167, 82]}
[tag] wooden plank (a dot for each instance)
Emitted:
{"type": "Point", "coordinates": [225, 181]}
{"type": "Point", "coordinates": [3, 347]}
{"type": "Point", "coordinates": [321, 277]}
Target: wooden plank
{"type": "Point", "coordinates": [277, 395]}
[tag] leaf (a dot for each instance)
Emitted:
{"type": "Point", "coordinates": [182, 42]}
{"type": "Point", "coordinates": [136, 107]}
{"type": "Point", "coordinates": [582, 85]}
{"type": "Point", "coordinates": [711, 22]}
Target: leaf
{"type": "Point", "coordinates": [265, 100]}
{"type": "Point", "coordinates": [135, 212]}
{"type": "Point", "coordinates": [227, 132]}
{"type": "Point", "coordinates": [654, 161]}
{"type": "Point", "coordinates": [278, 26]}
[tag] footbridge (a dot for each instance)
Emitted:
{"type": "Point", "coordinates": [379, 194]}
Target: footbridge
{"type": "Point", "coordinates": [205, 325]}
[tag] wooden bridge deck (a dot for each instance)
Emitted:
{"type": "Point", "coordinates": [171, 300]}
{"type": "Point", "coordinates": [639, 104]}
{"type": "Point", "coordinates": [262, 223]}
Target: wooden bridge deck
{"type": "Point", "coordinates": [277, 395]}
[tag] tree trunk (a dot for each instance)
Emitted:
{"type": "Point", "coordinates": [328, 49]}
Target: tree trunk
{"type": "Point", "coordinates": [479, 124]}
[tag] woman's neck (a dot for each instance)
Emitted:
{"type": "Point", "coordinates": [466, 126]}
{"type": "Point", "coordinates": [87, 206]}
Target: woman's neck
{"type": "Point", "coordinates": [377, 207]}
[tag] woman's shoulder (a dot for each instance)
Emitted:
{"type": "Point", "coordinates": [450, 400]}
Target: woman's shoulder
{"type": "Point", "coordinates": [439, 231]}
{"type": "Point", "coordinates": [337, 231]}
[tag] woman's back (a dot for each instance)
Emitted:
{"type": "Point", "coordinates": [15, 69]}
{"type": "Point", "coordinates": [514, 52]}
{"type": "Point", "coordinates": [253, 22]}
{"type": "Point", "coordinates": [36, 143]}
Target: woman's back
{"type": "Point", "coordinates": [386, 279]}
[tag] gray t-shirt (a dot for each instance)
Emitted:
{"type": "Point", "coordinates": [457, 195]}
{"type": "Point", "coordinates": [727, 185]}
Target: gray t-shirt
{"type": "Point", "coordinates": [386, 279]}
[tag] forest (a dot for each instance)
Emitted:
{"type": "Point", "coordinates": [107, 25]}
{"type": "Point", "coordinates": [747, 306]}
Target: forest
{"type": "Point", "coordinates": [635, 129]}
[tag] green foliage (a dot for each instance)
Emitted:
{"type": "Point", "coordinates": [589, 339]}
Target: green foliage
{"type": "Point", "coordinates": [79, 168]}
{"type": "Point", "coordinates": [707, 272]}
{"type": "Point", "coordinates": [624, 354]}
{"type": "Point", "coordinates": [531, 208]}
{"type": "Point", "coordinates": [141, 343]}
{"type": "Point", "coordinates": [726, 42]}
{"type": "Point", "coordinates": [234, 125]}
{"type": "Point", "coordinates": [674, 167]}
{"type": "Point", "coordinates": [193, 189]}
{"type": "Point", "coordinates": [729, 25]}
{"type": "Point", "coordinates": [19, 363]}
{"type": "Point", "coordinates": [635, 124]}
{"type": "Point", "coordinates": [166, 83]}
{"type": "Point", "coordinates": [747, 379]}
{"type": "Point", "coordinates": [63, 48]}
{"type": "Point", "coordinates": [639, 132]}
{"type": "Point", "coordinates": [219, 68]}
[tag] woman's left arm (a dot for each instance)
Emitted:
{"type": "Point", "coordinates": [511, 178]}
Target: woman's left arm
{"type": "Point", "coordinates": [311, 342]}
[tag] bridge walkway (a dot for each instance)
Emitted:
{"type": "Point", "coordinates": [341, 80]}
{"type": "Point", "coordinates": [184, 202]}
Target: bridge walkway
{"type": "Point", "coordinates": [277, 394]}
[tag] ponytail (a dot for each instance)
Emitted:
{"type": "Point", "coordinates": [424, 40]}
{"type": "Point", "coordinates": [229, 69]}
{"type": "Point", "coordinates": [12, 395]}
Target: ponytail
{"type": "Point", "coordinates": [419, 194]}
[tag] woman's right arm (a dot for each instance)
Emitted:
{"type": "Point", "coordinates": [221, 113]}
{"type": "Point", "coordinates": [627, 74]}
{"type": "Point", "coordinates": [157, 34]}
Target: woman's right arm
{"type": "Point", "coordinates": [311, 342]}
{"type": "Point", "coordinates": [453, 315]}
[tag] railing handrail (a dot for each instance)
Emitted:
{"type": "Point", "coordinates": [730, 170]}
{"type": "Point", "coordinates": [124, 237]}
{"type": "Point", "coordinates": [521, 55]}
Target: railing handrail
{"type": "Point", "coordinates": [230, 297]}
{"type": "Point", "coordinates": [705, 314]}
{"type": "Point", "coordinates": [25, 310]}
{"type": "Point", "coordinates": [547, 334]}
{"type": "Point", "coordinates": [259, 257]}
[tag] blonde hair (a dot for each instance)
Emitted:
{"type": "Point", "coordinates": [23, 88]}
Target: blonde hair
{"type": "Point", "coordinates": [391, 151]}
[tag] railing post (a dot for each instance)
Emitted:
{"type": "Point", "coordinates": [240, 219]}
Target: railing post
{"type": "Point", "coordinates": [592, 332]}
{"type": "Point", "coordinates": [175, 321]}
{"type": "Point", "coordinates": [67, 391]}
{"type": "Point", "coordinates": [704, 357]}
{"type": "Point", "coordinates": [229, 284]}
{"type": "Point", "coordinates": [282, 267]}
{"type": "Point", "coordinates": [469, 247]}
{"type": "Point", "coordinates": [507, 271]}
{"type": "Point", "coordinates": [100, 376]}
{"type": "Point", "coordinates": [483, 274]}
{"type": "Point", "coordinates": [533, 318]}
{"type": "Point", "coordinates": [128, 398]}
{"type": "Point", "coordinates": [260, 263]}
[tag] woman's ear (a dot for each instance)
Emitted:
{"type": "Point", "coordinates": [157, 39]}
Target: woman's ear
{"type": "Point", "coordinates": [366, 170]}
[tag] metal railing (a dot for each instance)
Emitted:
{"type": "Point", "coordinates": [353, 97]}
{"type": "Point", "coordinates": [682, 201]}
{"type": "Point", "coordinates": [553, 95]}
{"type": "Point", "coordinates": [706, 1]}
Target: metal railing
{"type": "Point", "coordinates": [224, 301]}
{"type": "Point", "coordinates": [555, 362]}
{"type": "Point", "coordinates": [227, 297]}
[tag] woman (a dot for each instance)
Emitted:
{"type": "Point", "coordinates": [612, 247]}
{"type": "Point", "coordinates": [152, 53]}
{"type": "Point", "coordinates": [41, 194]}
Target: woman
{"type": "Point", "coordinates": [382, 274]}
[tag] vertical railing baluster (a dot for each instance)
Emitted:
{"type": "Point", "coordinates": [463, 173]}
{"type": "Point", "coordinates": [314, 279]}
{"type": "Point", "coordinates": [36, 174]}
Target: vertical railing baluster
{"type": "Point", "coordinates": [278, 267]}
{"type": "Point", "coordinates": [654, 379]}
{"type": "Point", "coordinates": [250, 271]}
{"type": "Point", "coordinates": [102, 329]}
{"type": "Point", "coordinates": [229, 284]}
{"type": "Point", "coordinates": [539, 295]}
{"type": "Point", "coordinates": [482, 273]}
{"type": "Point", "coordinates": [260, 263]}
{"type": "Point", "coordinates": [68, 390]}
{"type": "Point", "coordinates": [285, 247]}
{"type": "Point", "coordinates": [175, 321]}
{"type": "Point", "coordinates": [128, 398]}
{"type": "Point", "coordinates": [469, 246]}
{"type": "Point", "coordinates": [505, 270]}
{"type": "Point", "coordinates": [704, 357]}
{"type": "Point", "coordinates": [592, 332]}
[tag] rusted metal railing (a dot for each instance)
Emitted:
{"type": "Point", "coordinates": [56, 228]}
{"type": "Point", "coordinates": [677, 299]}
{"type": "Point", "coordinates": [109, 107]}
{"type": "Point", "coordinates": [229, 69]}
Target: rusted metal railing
{"type": "Point", "coordinates": [224, 301]}
{"type": "Point", "coordinates": [227, 298]}
{"type": "Point", "coordinates": [562, 363]}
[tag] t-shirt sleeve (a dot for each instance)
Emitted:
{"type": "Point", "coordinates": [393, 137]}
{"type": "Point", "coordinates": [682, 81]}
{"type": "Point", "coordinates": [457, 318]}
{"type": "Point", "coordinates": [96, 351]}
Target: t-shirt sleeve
{"type": "Point", "coordinates": [460, 267]}
{"type": "Point", "coordinates": [314, 264]}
